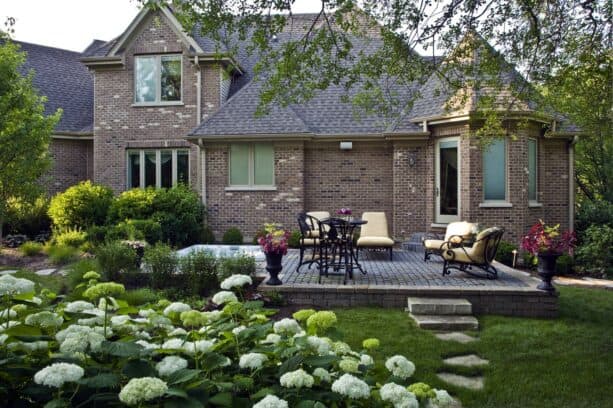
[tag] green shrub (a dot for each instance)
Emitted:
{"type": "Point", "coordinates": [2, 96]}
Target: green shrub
{"type": "Point", "coordinates": [149, 230]}
{"type": "Point", "coordinates": [593, 213]}
{"type": "Point", "coordinates": [232, 236]}
{"type": "Point", "coordinates": [200, 272]}
{"type": "Point", "coordinates": [139, 297]}
{"type": "Point", "coordinates": [240, 265]}
{"type": "Point", "coordinates": [529, 260]}
{"type": "Point", "coordinates": [31, 248]}
{"type": "Point", "coordinates": [505, 253]}
{"type": "Point", "coordinates": [28, 218]}
{"type": "Point", "coordinates": [180, 213]}
{"type": "Point", "coordinates": [594, 254]}
{"type": "Point", "coordinates": [294, 240]}
{"type": "Point", "coordinates": [132, 204]}
{"type": "Point", "coordinates": [161, 262]}
{"type": "Point", "coordinates": [97, 234]}
{"type": "Point", "coordinates": [207, 236]}
{"type": "Point", "coordinates": [259, 233]}
{"type": "Point", "coordinates": [75, 276]}
{"type": "Point", "coordinates": [81, 206]}
{"type": "Point", "coordinates": [564, 264]}
{"type": "Point", "coordinates": [115, 258]}
{"type": "Point", "coordinates": [61, 254]}
{"type": "Point", "coordinates": [73, 237]}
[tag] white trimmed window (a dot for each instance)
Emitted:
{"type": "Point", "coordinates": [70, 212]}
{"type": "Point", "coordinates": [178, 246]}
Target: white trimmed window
{"type": "Point", "coordinates": [532, 170]}
{"type": "Point", "coordinates": [157, 168]}
{"type": "Point", "coordinates": [157, 79]}
{"type": "Point", "coordinates": [252, 165]}
{"type": "Point", "coordinates": [495, 171]}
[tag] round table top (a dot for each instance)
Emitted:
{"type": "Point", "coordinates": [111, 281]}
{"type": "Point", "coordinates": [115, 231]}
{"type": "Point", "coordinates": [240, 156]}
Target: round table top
{"type": "Point", "coordinates": [352, 221]}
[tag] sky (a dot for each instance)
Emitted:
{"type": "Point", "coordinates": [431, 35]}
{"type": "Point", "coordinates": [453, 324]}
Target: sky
{"type": "Point", "coordinates": [73, 24]}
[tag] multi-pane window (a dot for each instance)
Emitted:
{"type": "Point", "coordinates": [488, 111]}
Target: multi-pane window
{"type": "Point", "coordinates": [157, 168]}
{"type": "Point", "coordinates": [494, 171]}
{"type": "Point", "coordinates": [532, 170]}
{"type": "Point", "coordinates": [157, 79]}
{"type": "Point", "coordinates": [252, 164]}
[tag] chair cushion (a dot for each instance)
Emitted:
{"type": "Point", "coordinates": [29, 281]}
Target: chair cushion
{"type": "Point", "coordinates": [461, 228]}
{"type": "Point", "coordinates": [470, 256]}
{"type": "Point", "coordinates": [375, 242]}
{"type": "Point", "coordinates": [433, 244]}
{"type": "Point", "coordinates": [320, 215]}
{"type": "Point", "coordinates": [376, 225]}
{"type": "Point", "coordinates": [313, 234]}
{"type": "Point", "coordinates": [310, 241]}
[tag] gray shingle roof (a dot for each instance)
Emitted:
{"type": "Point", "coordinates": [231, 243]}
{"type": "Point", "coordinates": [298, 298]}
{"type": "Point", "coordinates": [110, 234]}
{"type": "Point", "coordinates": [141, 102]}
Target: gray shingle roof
{"type": "Point", "coordinates": [65, 81]}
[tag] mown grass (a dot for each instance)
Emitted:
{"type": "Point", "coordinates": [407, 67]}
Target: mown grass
{"type": "Point", "coordinates": [563, 362]}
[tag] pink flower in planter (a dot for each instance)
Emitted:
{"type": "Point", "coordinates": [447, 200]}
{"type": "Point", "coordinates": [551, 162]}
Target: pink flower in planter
{"type": "Point", "coordinates": [542, 239]}
{"type": "Point", "coordinates": [275, 240]}
{"type": "Point", "coordinates": [344, 211]}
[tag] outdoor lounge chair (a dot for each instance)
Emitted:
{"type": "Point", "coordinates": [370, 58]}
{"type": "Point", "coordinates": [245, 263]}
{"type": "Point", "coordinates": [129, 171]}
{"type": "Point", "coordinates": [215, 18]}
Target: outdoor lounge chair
{"type": "Point", "coordinates": [480, 255]}
{"type": "Point", "coordinates": [456, 233]}
{"type": "Point", "coordinates": [374, 233]}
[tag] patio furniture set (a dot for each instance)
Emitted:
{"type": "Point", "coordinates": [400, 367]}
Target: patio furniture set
{"type": "Point", "coordinates": [335, 244]}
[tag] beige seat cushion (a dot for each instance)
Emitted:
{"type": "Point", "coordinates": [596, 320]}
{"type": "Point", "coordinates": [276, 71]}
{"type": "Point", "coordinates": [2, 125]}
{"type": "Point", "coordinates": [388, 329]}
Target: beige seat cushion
{"type": "Point", "coordinates": [320, 215]}
{"type": "Point", "coordinates": [311, 241]}
{"type": "Point", "coordinates": [433, 244]}
{"type": "Point", "coordinates": [374, 233]}
{"type": "Point", "coordinates": [375, 242]}
{"type": "Point", "coordinates": [460, 228]}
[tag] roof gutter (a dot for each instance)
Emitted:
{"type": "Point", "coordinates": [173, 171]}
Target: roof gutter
{"type": "Point", "coordinates": [73, 135]}
{"type": "Point", "coordinates": [199, 58]}
{"type": "Point", "coordinates": [116, 61]}
{"type": "Point", "coordinates": [362, 137]}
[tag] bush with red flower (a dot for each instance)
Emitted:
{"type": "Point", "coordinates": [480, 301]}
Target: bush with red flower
{"type": "Point", "coordinates": [542, 239]}
{"type": "Point", "coordinates": [275, 240]}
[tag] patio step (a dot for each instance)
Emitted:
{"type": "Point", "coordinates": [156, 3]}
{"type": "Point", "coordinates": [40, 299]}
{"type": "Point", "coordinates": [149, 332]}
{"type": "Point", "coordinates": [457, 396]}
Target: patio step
{"type": "Point", "coordinates": [446, 322]}
{"type": "Point", "coordinates": [437, 306]}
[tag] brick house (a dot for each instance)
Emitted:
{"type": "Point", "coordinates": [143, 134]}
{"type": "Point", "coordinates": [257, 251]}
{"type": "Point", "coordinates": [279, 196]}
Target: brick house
{"type": "Point", "coordinates": [158, 107]}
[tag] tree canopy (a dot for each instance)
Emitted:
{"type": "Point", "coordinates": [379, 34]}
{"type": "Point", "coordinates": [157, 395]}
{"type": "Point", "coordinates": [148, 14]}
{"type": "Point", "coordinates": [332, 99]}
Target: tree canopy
{"type": "Point", "coordinates": [25, 130]}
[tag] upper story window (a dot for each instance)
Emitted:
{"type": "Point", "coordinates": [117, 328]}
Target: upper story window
{"type": "Point", "coordinates": [157, 79]}
{"type": "Point", "coordinates": [252, 165]}
{"type": "Point", "coordinates": [495, 171]}
{"type": "Point", "coordinates": [532, 170]}
{"type": "Point", "coordinates": [157, 168]}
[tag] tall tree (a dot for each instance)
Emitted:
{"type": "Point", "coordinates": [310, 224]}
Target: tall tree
{"type": "Point", "coordinates": [364, 45]}
{"type": "Point", "coordinates": [25, 130]}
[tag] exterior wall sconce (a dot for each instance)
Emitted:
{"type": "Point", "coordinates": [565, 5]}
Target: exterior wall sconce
{"type": "Point", "coordinates": [346, 145]}
{"type": "Point", "coordinates": [412, 159]}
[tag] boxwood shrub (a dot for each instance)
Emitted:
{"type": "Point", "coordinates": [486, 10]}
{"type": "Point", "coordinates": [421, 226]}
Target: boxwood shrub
{"type": "Point", "coordinates": [81, 206]}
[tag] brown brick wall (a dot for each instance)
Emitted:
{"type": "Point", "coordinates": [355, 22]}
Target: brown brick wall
{"type": "Point", "coordinates": [360, 178]}
{"type": "Point", "coordinates": [250, 210]}
{"type": "Point", "coordinates": [72, 163]}
{"type": "Point", "coordinates": [118, 125]}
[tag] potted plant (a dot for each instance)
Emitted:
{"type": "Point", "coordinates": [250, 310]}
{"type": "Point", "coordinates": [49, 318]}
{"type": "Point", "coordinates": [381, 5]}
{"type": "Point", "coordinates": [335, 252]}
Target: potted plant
{"type": "Point", "coordinates": [547, 243]}
{"type": "Point", "coordinates": [274, 243]}
{"type": "Point", "coordinates": [345, 213]}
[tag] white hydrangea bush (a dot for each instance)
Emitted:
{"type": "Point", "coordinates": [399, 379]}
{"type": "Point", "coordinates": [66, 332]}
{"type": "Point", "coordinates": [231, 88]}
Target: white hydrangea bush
{"type": "Point", "coordinates": [84, 353]}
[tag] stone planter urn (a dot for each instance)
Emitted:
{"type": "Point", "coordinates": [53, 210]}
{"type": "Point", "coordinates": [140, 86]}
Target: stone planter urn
{"type": "Point", "coordinates": [273, 266]}
{"type": "Point", "coordinates": [546, 270]}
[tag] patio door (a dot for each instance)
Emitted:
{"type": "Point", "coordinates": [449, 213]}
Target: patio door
{"type": "Point", "coordinates": [447, 187]}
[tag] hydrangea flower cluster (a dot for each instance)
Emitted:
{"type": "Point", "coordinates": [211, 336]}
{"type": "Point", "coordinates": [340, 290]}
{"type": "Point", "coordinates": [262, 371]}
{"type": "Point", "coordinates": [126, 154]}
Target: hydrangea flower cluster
{"type": "Point", "coordinates": [57, 374]}
{"type": "Point", "coordinates": [287, 326]}
{"type": "Point", "coordinates": [297, 379]}
{"type": "Point", "coordinates": [139, 390]}
{"type": "Point", "coordinates": [170, 365]}
{"type": "Point", "coordinates": [10, 285]}
{"type": "Point", "coordinates": [351, 387]}
{"type": "Point", "coordinates": [252, 361]}
{"type": "Point", "coordinates": [224, 297]}
{"type": "Point", "coordinates": [106, 289]}
{"type": "Point", "coordinates": [321, 321]}
{"type": "Point", "coordinates": [235, 281]}
{"type": "Point", "coordinates": [400, 366]}
{"type": "Point", "coordinates": [45, 320]}
{"type": "Point", "coordinates": [177, 308]}
{"type": "Point", "coordinates": [271, 401]}
{"type": "Point", "coordinates": [399, 396]}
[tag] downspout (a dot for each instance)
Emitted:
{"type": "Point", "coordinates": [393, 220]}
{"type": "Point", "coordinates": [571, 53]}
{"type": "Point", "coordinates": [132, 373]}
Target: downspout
{"type": "Point", "coordinates": [201, 151]}
{"type": "Point", "coordinates": [571, 183]}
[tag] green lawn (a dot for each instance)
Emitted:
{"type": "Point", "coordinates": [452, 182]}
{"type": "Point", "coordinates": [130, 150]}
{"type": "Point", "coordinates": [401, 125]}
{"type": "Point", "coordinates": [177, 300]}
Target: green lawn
{"type": "Point", "coordinates": [564, 362]}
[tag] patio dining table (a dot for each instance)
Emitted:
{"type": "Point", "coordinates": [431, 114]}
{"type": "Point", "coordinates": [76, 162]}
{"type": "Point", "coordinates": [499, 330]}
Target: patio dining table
{"type": "Point", "coordinates": [339, 249]}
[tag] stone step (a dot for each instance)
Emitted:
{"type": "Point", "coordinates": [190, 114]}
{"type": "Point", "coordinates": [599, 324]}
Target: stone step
{"type": "Point", "coordinates": [445, 322]}
{"type": "Point", "coordinates": [472, 383]}
{"type": "Point", "coordinates": [437, 306]}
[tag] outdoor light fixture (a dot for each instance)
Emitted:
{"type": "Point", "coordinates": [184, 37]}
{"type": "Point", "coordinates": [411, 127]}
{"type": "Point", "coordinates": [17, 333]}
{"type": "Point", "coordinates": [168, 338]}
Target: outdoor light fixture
{"type": "Point", "coordinates": [346, 145]}
{"type": "Point", "coordinates": [412, 159]}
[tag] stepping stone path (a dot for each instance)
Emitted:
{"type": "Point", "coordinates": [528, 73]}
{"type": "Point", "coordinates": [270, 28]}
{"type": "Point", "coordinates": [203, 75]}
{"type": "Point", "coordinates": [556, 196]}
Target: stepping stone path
{"type": "Point", "coordinates": [472, 383]}
{"type": "Point", "coordinates": [470, 360]}
{"type": "Point", "coordinates": [45, 272]}
{"type": "Point", "coordinates": [456, 336]}
{"type": "Point", "coordinates": [8, 272]}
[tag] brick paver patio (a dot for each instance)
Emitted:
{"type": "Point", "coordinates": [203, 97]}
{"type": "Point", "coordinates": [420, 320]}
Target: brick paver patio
{"type": "Point", "coordinates": [407, 269]}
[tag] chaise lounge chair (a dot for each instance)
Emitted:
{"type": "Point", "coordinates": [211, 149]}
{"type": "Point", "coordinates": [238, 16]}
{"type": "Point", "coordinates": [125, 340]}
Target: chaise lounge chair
{"type": "Point", "coordinates": [374, 233]}
{"type": "Point", "coordinates": [480, 255]}
{"type": "Point", "coordinates": [455, 234]}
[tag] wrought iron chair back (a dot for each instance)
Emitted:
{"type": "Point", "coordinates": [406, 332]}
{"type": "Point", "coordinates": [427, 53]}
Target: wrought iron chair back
{"type": "Point", "coordinates": [308, 238]}
{"type": "Point", "coordinates": [480, 255]}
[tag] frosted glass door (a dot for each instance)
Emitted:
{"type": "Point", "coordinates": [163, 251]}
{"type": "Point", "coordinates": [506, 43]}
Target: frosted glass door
{"type": "Point", "coordinates": [447, 181]}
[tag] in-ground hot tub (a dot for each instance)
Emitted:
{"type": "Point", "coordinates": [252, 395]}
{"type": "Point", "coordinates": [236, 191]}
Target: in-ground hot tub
{"type": "Point", "coordinates": [226, 251]}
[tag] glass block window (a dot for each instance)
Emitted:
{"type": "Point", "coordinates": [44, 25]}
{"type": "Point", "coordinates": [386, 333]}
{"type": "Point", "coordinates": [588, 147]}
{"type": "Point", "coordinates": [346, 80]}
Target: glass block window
{"type": "Point", "coordinates": [157, 79]}
{"type": "Point", "coordinates": [252, 164]}
{"type": "Point", "coordinates": [494, 171]}
{"type": "Point", "coordinates": [532, 169]}
{"type": "Point", "coordinates": [160, 168]}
